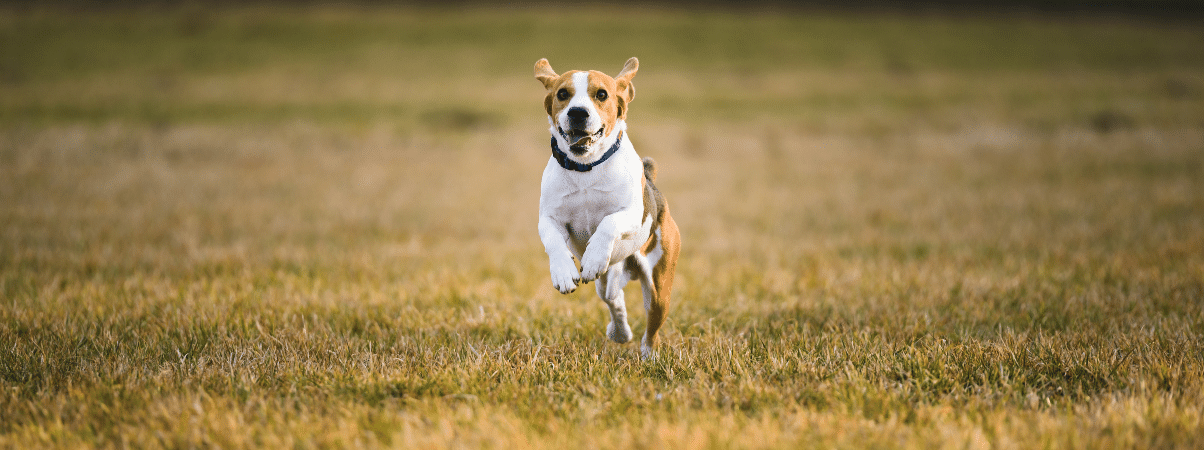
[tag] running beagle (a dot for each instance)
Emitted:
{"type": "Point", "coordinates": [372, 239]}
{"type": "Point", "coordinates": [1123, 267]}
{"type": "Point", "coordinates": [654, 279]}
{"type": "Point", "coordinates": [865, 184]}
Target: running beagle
{"type": "Point", "coordinates": [597, 200]}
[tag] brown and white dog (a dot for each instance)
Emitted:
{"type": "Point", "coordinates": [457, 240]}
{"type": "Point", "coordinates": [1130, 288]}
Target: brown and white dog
{"type": "Point", "coordinates": [597, 201]}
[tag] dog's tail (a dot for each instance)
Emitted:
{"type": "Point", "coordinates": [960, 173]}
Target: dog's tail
{"type": "Point", "coordinates": [649, 168]}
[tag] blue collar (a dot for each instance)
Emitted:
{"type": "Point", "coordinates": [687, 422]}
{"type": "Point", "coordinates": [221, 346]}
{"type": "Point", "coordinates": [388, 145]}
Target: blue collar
{"type": "Point", "coordinates": [565, 162]}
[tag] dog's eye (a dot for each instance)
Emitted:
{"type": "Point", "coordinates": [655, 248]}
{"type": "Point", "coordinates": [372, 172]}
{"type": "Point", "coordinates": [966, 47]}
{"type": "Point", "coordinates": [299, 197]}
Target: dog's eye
{"type": "Point", "coordinates": [601, 95]}
{"type": "Point", "coordinates": [562, 94]}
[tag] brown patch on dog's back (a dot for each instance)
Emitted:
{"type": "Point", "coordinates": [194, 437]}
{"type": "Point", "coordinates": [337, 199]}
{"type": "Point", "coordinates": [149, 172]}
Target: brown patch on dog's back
{"type": "Point", "coordinates": [654, 202]}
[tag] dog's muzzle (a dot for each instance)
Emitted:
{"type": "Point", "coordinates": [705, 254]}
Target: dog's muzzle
{"type": "Point", "coordinates": [579, 140]}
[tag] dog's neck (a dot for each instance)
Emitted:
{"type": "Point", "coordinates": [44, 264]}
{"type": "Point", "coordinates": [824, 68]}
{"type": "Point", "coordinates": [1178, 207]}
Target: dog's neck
{"type": "Point", "coordinates": [563, 158]}
{"type": "Point", "coordinates": [599, 151]}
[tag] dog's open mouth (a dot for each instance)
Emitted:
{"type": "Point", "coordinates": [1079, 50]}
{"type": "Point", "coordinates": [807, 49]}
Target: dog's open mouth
{"type": "Point", "coordinates": [580, 140]}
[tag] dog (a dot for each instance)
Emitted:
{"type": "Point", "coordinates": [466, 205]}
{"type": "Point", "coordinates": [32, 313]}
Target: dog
{"type": "Point", "coordinates": [598, 203]}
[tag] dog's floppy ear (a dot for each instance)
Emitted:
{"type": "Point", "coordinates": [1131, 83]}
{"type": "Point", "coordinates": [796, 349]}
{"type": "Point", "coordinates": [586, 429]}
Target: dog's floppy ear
{"type": "Point", "coordinates": [544, 73]}
{"type": "Point", "coordinates": [623, 81]}
{"type": "Point", "coordinates": [629, 69]}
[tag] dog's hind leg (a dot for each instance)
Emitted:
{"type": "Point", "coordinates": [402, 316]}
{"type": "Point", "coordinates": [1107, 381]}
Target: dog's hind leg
{"type": "Point", "coordinates": [610, 288]}
{"type": "Point", "coordinates": [663, 259]}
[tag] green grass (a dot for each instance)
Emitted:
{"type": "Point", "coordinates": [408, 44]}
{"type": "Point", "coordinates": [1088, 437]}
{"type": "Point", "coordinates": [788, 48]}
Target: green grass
{"type": "Point", "coordinates": [259, 227]}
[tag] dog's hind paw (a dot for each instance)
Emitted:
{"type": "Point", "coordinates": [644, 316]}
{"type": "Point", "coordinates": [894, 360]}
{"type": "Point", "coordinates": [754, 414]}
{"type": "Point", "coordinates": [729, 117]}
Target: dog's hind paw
{"type": "Point", "coordinates": [647, 353]}
{"type": "Point", "coordinates": [648, 349]}
{"type": "Point", "coordinates": [618, 334]}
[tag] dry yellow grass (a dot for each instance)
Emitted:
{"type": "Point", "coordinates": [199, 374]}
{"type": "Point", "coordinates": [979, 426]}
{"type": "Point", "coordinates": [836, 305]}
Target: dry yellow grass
{"type": "Point", "coordinates": [315, 229]}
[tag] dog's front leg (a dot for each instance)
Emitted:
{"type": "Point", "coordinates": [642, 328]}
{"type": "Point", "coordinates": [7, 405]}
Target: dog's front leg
{"type": "Point", "coordinates": [599, 252]}
{"type": "Point", "coordinates": [560, 260]}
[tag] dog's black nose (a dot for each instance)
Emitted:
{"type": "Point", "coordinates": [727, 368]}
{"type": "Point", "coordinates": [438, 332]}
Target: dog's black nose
{"type": "Point", "coordinates": [577, 114]}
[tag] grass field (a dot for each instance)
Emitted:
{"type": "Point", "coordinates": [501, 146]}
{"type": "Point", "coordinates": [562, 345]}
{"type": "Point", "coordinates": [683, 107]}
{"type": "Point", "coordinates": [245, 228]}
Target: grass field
{"type": "Point", "coordinates": [315, 228]}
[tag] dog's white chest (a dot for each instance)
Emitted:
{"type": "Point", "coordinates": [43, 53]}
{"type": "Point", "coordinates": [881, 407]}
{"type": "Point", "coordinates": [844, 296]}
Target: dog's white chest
{"type": "Point", "coordinates": [581, 200]}
{"type": "Point", "coordinates": [584, 209]}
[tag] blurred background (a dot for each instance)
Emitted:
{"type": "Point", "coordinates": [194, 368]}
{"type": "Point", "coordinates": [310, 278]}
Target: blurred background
{"type": "Point", "coordinates": [159, 135]}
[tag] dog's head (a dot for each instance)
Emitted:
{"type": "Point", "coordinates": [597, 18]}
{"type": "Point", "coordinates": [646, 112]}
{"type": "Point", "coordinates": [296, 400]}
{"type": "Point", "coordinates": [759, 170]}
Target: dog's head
{"type": "Point", "coordinates": [584, 107]}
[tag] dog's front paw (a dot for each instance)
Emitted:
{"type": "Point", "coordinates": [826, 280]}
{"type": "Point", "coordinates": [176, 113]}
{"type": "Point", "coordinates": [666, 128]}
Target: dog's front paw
{"type": "Point", "coordinates": [593, 266]}
{"type": "Point", "coordinates": [565, 277]}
